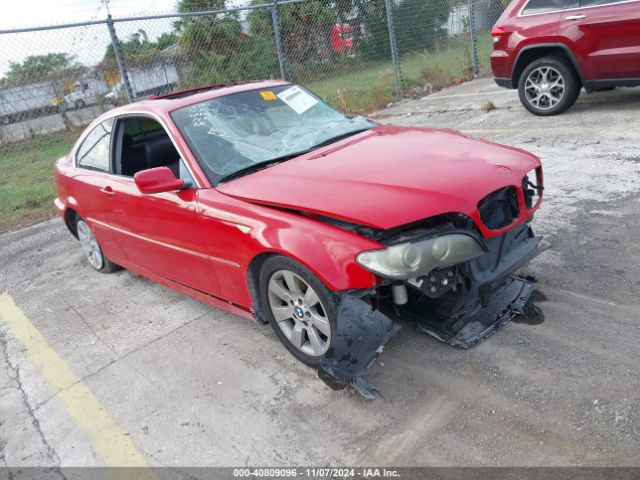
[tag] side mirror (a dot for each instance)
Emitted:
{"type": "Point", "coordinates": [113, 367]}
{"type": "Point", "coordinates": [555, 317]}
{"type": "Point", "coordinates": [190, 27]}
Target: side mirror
{"type": "Point", "coordinates": [157, 180]}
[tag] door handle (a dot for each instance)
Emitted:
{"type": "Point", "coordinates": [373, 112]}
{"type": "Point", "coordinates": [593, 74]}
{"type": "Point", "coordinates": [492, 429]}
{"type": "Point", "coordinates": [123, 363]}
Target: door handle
{"type": "Point", "coordinates": [575, 17]}
{"type": "Point", "coordinates": [107, 191]}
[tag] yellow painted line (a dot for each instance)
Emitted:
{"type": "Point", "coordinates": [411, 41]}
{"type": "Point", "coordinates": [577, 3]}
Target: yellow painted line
{"type": "Point", "coordinates": [109, 441]}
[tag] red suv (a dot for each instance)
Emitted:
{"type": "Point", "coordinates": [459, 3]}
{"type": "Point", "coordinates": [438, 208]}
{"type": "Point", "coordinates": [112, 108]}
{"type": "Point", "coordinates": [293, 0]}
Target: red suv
{"type": "Point", "coordinates": [549, 49]}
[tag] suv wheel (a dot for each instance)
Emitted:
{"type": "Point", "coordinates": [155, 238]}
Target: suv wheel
{"type": "Point", "coordinates": [548, 86]}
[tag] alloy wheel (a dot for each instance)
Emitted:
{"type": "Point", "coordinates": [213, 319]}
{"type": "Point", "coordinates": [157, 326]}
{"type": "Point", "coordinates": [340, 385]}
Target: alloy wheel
{"type": "Point", "coordinates": [544, 88]}
{"type": "Point", "coordinates": [299, 313]}
{"type": "Point", "coordinates": [90, 245]}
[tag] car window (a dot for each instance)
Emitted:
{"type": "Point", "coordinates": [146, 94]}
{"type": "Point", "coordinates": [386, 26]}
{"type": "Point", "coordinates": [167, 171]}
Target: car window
{"type": "Point", "coordinates": [543, 6]}
{"type": "Point", "coordinates": [141, 126]}
{"type": "Point", "coordinates": [145, 144]}
{"type": "Point", "coordinates": [593, 3]}
{"type": "Point", "coordinates": [94, 151]}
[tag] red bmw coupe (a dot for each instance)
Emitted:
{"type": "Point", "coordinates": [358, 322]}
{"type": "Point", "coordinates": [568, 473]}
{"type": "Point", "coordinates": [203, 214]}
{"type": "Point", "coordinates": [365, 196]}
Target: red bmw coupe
{"type": "Point", "coordinates": [262, 200]}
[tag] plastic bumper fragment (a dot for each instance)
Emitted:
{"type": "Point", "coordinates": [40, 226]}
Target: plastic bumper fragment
{"type": "Point", "coordinates": [504, 303]}
{"type": "Point", "coordinates": [361, 336]}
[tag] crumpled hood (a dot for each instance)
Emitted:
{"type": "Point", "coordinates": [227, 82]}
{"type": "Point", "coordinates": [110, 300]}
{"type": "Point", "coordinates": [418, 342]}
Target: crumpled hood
{"type": "Point", "coordinates": [388, 176]}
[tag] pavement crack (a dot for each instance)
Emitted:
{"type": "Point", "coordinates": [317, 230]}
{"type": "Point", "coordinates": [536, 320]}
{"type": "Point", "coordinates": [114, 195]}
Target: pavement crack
{"type": "Point", "coordinates": [13, 372]}
{"type": "Point", "coordinates": [120, 357]}
{"type": "Point", "coordinates": [93, 332]}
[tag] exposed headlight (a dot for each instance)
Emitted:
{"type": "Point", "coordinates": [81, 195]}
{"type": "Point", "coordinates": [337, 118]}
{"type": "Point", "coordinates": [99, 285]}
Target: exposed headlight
{"type": "Point", "coordinates": [412, 259]}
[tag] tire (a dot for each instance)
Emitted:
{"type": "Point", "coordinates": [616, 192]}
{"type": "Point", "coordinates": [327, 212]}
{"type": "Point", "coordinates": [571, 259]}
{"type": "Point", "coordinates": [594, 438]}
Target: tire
{"type": "Point", "coordinates": [552, 100]}
{"type": "Point", "coordinates": [92, 249]}
{"type": "Point", "coordinates": [79, 104]}
{"type": "Point", "coordinates": [299, 323]}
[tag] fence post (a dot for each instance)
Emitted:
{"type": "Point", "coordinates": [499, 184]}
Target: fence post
{"type": "Point", "coordinates": [397, 75]}
{"type": "Point", "coordinates": [275, 18]}
{"type": "Point", "coordinates": [474, 37]}
{"type": "Point", "coordinates": [116, 50]}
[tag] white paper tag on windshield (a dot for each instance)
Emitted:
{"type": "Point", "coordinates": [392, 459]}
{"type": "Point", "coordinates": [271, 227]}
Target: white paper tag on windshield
{"type": "Point", "coordinates": [299, 100]}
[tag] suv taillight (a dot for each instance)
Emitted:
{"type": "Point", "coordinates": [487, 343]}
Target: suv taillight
{"type": "Point", "coordinates": [496, 33]}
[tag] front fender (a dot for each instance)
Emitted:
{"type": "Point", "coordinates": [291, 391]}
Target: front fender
{"type": "Point", "coordinates": [327, 251]}
{"type": "Point", "coordinates": [243, 232]}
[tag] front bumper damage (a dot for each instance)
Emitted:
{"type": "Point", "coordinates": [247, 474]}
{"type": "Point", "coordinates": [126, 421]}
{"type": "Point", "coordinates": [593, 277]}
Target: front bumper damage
{"type": "Point", "coordinates": [487, 295]}
{"type": "Point", "coordinates": [362, 335]}
{"type": "Point", "coordinates": [507, 301]}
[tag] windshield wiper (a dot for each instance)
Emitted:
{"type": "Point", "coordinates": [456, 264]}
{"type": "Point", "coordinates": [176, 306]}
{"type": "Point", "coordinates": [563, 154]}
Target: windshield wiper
{"type": "Point", "coordinates": [337, 138]}
{"type": "Point", "coordinates": [260, 166]}
{"type": "Point", "coordinates": [273, 161]}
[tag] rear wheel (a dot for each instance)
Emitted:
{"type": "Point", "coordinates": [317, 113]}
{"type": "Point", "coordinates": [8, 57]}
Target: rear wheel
{"type": "Point", "coordinates": [92, 250]}
{"type": "Point", "coordinates": [548, 86]}
{"type": "Point", "coordinates": [299, 307]}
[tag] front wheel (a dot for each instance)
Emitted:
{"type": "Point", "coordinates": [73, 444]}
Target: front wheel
{"type": "Point", "coordinates": [548, 86]}
{"type": "Point", "coordinates": [92, 249]}
{"type": "Point", "coordinates": [299, 307]}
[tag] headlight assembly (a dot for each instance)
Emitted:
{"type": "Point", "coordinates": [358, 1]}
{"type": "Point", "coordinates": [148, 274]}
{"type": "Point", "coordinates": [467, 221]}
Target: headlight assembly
{"type": "Point", "coordinates": [413, 259]}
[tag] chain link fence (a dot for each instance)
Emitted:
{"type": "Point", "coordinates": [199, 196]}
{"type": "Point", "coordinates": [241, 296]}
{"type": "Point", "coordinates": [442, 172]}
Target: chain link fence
{"type": "Point", "coordinates": [359, 55]}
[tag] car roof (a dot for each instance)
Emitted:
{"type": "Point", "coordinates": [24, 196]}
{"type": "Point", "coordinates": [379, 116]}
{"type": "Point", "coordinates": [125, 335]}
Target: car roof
{"type": "Point", "coordinates": [175, 100]}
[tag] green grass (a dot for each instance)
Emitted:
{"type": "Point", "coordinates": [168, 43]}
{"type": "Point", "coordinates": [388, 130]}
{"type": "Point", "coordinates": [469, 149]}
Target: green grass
{"type": "Point", "coordinates": [362, 87]}
{"type": "Point", "coordinates": [26, 178]}
{"type": "Point", "coordinates": [26, 167]}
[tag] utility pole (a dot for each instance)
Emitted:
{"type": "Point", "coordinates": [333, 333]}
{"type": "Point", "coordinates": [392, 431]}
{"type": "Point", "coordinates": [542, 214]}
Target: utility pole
{"type": "Point", "coordinates": [106, 4]}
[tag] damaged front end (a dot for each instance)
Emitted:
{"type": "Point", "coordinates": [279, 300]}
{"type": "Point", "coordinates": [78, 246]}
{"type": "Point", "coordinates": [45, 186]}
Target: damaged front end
{"type": "Point", "coordinates": [362, 334]}
{"type": "Point", "coordinates": [441, 274]}
{"type": "Point", "coordinates": [463, 304]}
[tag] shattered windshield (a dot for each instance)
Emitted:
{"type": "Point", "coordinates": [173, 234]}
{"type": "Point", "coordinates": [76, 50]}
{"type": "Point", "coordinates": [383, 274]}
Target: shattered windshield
{"type": "Point", "coordinates": [234, 134]}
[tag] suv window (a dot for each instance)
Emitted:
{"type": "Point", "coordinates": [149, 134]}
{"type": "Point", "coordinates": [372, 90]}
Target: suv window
{"type": "Point", "coordinates": [94, 151]}
{"type": "Point", "coordinates": [593, 3]}
{"type": "Point", "coordinates": [543, 6]}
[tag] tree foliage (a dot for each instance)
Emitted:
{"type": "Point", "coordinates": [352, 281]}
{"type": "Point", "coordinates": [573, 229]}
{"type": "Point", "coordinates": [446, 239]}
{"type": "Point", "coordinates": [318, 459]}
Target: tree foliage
{"type": "Point", "coordinates": [304, 27]}
{"type": "Point", "coordinates": [221, 33]}
{"type": "Point", "coordinates": [419, 23]}
{"type": "Point", "coordinates": [138, 48]}
{"type": "Point", "coordinates": [39, 66]}
{"type": "Point", "coordinates": [218, 48]}
{"type": "Point", "coordinates": [372, 15]}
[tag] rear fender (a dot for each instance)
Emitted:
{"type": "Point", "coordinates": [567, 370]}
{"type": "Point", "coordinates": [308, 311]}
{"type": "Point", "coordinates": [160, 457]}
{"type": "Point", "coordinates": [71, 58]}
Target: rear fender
{"type": "Point", "coordinates": [531, 52]}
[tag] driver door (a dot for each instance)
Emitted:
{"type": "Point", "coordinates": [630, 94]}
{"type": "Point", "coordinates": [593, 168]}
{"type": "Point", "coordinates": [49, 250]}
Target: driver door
{"type": "Point", "coordinates": [162, 232]}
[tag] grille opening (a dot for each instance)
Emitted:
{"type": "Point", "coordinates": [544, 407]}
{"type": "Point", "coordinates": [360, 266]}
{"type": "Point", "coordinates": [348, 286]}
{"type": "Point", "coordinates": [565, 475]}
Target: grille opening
{"type": "Point", "coordinates": [500, 208]}
{"type": "Point", "coordinates": [532, 187]}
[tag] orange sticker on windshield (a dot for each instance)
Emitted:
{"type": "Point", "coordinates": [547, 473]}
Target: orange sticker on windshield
{"type": "Point", "coordinates": [268, 96]}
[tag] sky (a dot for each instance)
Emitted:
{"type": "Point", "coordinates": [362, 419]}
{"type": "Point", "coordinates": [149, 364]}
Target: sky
{"type": "Point", "coordinates": [86, 43]}
{"type": "Point", "coordinates": [27, 13]}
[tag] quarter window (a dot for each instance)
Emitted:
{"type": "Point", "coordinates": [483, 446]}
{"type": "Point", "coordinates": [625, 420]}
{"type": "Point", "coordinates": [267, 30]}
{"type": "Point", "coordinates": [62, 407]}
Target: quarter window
{"type": "Point", "coordinates": [544, 6]}
{"type": "Point", "coordinates": [94, 151]}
